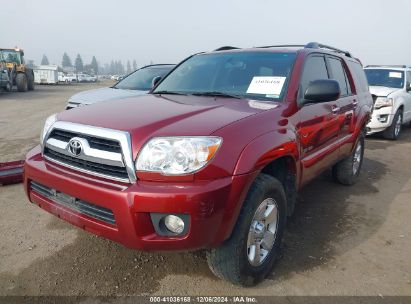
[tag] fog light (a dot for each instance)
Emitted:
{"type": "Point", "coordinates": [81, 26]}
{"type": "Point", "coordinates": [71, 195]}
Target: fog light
{"type": "Point", "coordinates": [174, 224]}
{"type": "Point", "coordinates": [383, 118]}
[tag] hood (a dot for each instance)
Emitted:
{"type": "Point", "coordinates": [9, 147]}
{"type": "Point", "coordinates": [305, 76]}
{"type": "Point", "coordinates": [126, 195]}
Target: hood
{"type": "Point", "coordinates": [172, 115]}
{"type": "Point", "coordinates": [382, 91]}
{"type": "Point", "coordinates": [103, 94]}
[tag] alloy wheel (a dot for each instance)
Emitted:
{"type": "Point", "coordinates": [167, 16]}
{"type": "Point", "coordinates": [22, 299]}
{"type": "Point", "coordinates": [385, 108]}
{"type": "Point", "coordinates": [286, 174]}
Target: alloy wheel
{"type": "Point", "coordinates": [262, 232]}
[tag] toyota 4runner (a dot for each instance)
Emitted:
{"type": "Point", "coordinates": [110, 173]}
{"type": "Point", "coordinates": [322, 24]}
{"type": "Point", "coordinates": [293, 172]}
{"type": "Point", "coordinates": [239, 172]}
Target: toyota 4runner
{"type": "Point", "coordinates": [212, 158]}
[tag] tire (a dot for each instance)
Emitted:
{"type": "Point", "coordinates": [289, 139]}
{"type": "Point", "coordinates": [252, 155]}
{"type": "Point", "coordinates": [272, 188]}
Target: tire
{"type": "Point", "coordinates": [347, 171]}
{"type": "Point", "coordinates": [22, 83]}
{"type": "Point", "coordinates": [393, 131]}
{"type": "Point", "coordinates": [231, 261]}
{"type": "Point", "coordinates": [8, 87]}
{"type": "Point", "coordinates": [30, 81]}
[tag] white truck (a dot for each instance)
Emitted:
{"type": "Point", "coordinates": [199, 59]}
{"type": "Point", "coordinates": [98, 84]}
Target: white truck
{"type": "Point", "coordinates": [390, 87]}
{"type": "Point", "coordinates": [46, 74]}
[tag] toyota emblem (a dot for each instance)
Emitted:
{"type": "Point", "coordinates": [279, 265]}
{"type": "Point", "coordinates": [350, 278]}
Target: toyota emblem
{"type": "Point", "coordinates": [75, 147]}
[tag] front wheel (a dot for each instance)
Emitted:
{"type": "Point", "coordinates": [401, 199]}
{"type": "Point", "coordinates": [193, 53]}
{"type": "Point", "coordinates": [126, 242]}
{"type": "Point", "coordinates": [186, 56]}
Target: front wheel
{"type": "Point", "coordinates": [250, 253]}
{"type": "Point", "coordinates": [393, 131]}
{"type": "Point", "coordinates": [347, 171]}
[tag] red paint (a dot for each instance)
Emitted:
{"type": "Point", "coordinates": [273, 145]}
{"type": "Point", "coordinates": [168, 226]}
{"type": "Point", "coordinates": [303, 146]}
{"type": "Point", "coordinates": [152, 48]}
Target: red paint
{"type": "Point", "coordinates": [252, 138]}
{"type": "Point", "coordinates": [11, 172]}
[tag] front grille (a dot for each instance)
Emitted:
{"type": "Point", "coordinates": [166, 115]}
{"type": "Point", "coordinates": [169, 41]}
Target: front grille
{"type": "Point", "coordinates": [103, 169]}
{"type": "Point", "coordinates": [94, 142]}
{"type": "Point", "coordinates": [80, 206]}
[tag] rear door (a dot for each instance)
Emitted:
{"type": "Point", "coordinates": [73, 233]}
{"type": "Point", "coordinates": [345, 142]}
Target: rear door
{"type": "Point", "coordinates": [347, 103]}
{"type": "Point", "coordinates": [318, 128]}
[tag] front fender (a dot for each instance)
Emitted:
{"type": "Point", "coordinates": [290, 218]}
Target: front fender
{"type": "Point", "coordinates": [266, 148]}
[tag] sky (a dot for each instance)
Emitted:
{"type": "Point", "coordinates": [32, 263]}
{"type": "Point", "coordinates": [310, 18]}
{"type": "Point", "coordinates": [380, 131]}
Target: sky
{"type": "Point", "coordinates": [167, 31]}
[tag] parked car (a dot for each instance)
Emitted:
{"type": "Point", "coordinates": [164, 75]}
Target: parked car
{"type": "Point", "coordinates": [72, 77]}
{"type": "Point", "coordinates": [83, 78]}
{"type": "Point", "coordinates": [137, 83]}
{"type": "Point", "coordinates": [212, 158]}
{"type": "Point", "coordinates": [390, 87]}
{"type": "Point", "coordinates": [64, 78]}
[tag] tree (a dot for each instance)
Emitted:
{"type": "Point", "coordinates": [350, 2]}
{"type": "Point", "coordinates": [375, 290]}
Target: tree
{"type": "Point", "coordinates": [112, 68]}
{"type": "Point", "coordinates": [66, 61]}
{"type": "Point", "coordinates": [134, 65]}
{"type": "Point", "coordinates": [128, 67]}
{"type": "Point", "coordinates": [94, 65]}
{"type": "Point", "coordinates": [79, 63]}
{"type": "Point", "coordinates": [44, 60]}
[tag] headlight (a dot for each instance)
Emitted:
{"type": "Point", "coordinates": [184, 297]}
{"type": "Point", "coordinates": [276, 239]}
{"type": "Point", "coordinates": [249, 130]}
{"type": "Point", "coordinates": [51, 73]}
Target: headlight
{"type": "Point", "coordinates": [383, 102]}
{"type": "Point", "coordinates": [177, 155]}
{"type": "Point", "coordinates": [47, 125]}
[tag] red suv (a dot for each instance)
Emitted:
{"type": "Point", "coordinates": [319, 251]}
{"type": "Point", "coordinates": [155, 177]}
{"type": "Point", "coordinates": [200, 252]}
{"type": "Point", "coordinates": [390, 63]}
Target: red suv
{"type": "Point", "coordinates": [212, 158]}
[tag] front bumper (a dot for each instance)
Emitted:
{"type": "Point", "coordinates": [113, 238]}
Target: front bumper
{"type": "Point", "coordinates": [381, 119]}
{"type": "Point", "coordinates": [212, 206]}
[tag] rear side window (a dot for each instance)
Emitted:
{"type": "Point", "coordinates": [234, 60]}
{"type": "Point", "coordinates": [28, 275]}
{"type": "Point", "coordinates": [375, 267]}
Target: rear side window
{"type": "Point", "coordinates": [338, 73]}
{"type": "Point", "coordinates": [314, 69]}
{"type": "Point", "coordinates": [361, 82]}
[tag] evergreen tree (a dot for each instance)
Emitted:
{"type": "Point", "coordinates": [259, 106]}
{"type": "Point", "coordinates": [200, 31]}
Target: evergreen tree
{"type": "Point", "coordinates": [79, 63]}
{"type": "Point", "coordinates": [66, 61]}
{"type": "Point", "coordinates": [94, 65]}
{"type": "Point", "coordinates": [44, 60]}
{"type": "Point", "coordinates": [128, 67]}
{"type": "Point", "coordinates": [134, 65]}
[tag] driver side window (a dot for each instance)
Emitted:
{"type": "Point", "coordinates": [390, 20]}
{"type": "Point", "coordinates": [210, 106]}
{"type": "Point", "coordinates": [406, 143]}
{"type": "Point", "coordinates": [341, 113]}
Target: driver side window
{"type": "Point", "coordinates": [314, 69]}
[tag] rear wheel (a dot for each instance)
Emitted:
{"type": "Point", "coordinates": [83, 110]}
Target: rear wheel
{"type": "Point", "coordinates": [8, 87]}
{"type": "Point", "coordinates": [250, 253]}
{"type": "Point", "coordinates": [393, 131]}
{"type": "Point", "coordinates": [347, 171]}
{"type": "Point", "coordinates": [30, 81]}
{"type": "Point", "coordinates": [21, 82]}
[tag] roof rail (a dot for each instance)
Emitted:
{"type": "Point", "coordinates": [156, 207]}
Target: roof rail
{"type": "Point", "coordinates": [387, 66]}
{"type": "Point", "coordinates": [316, 45]}
{"type": "Point", "coordinates": [225, 48]}
{"type": "Point", "coordinates": [280, 45]}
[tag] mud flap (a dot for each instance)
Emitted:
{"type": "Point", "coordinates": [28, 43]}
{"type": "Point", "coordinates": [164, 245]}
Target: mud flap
{"type": "Point", "coordinates": [11, 172]}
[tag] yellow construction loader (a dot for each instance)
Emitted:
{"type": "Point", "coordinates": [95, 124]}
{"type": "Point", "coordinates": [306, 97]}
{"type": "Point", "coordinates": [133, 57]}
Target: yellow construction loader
{"type": "Point", "coordinates": [18, 74]}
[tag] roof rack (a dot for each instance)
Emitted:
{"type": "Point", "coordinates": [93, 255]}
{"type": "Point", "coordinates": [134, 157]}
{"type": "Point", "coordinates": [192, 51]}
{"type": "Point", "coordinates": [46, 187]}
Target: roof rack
{"type": "Point", "coordinates": [316, 45]}
{"type": "Point", "coordinates": [387, 66]}
{"type": "Point", "coordinates": [310, 45]}
{"type": "Point", "coordinates": [225, 48]}
{"type": "Point", "coordinates": [280, 45]}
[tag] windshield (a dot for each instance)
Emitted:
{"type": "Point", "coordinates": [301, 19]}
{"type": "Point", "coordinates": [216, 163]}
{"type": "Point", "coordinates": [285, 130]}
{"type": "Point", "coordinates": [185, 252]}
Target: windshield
{"type": "Point", "coordinates": [11, 56]}
{"type": "Point", "coordinates": [385, 78]}
{"type": "Point", "coordinates": [253, 75]}
{"type": "Point", "coordinates": [142, 79]}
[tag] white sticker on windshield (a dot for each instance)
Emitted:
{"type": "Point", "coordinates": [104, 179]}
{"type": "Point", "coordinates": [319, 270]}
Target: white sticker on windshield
{"type": "Point", "coordinates": [395, 75]}
{"type": "Point", "coordinates": [266, 85]}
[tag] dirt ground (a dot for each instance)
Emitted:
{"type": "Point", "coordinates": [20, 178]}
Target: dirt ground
{"type": "Point", "coordinates": [341, 240]}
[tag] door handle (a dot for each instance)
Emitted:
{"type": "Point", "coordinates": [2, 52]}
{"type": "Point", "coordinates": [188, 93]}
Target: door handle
{"type": "Point", "coordinates": [355, 103]}
{"type": "Point", "coordinates": [335, 110]}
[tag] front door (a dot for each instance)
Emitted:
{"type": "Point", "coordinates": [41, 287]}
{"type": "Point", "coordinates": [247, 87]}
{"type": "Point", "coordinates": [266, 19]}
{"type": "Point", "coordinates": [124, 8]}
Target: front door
{"type": "Point", "coordinates": [319, 124]}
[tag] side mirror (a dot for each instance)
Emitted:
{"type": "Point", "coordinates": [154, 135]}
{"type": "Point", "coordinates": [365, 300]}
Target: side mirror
{"type": "Point", "coordinates": [322, 90]}
{"type": "Point", "coordinates": [155, 81]}
{"type": "Point", "coordinates": [408, 88]}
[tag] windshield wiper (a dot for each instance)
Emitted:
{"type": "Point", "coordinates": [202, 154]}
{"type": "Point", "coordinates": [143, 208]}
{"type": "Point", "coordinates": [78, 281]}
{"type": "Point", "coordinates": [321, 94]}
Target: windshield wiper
{"type": "Point", "coordinates": [218, 94]}
{"type": "Point", "coordinates": [169, 92]}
